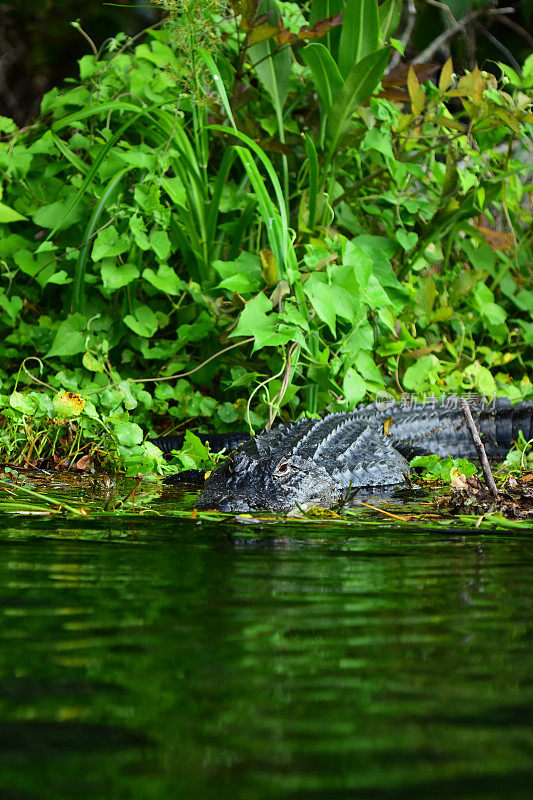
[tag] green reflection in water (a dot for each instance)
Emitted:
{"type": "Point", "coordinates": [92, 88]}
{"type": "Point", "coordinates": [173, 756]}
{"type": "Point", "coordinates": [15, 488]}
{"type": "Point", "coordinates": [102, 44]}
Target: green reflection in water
{"type": "Point", "coordinates": [146, 658]}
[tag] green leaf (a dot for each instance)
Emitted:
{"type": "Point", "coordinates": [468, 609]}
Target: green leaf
{"type": "Point", "coordinates": [60, 278]}
{"type": "Point", "coordinates": [359, 85]}
{"type": "Point", "coordinates": [144, 323]}
{"type": "Point", "coordinates": [11, 305]}
{"type": "Point", "coordinates": [128, 433]}
{"type": "Point", "coordinates": [165, 279]}
{"type": "Point", "coordinates": [390, 14]}
{"type": "Point", "coordinates": [138, 228]}
{"type": "Point", "coordinates": [23, 403]}
{"type": "Point", "coordinates": [70, 337]}
{"type": "Point", "coordinates": [321, 299]}
{"type": "Point", "coordinates": [198, 330]}
{"type": "Point", "coordinates": [8, 214]}
{"type": "Point", "coordinates": [253, 317]}
{"type": "Point", "coordinates": [482, 379]}
{"type": "Point", "coordinates": [160, 244]}
{"type": "Point", "coordinates": [378, 140]}
{"type": "Point", "coordinates": [114, 275]}
{"type": "Point", "coordinates": [110, 243]}
{"type": "Point", "coordinates": [326, 74]}
{"type": "Point", "coordinates": [58, 215]}
{"type": "Point", "coordinates": [360, 32]}
{"type": "Point", "coordinates": [422, 374]}
{"type": "Point", "coordinates": [91, 363]}
{"type": "Point", "coordinates": [353, 387]}
{"type": "Point", "coordinates": [272, 68]}
{"type": "Point", "coordinates": [407, 240]}
{"type": "Point", "coordinates": [228, 413]}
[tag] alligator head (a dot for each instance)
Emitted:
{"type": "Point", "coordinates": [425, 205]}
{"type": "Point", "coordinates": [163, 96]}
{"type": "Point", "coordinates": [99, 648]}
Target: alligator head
{"type": "Point", "coordinates": [248, 483]}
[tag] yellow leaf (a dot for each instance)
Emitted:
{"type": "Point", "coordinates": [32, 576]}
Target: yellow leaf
{"type": "Point", "coordinates": [262, 33]}
{"type": "Point", "coordinates": [446, 76]}
{"type": "Point", "coordinates": [269, 272]}
{"type": "Point", "coordinates": [416, 93]}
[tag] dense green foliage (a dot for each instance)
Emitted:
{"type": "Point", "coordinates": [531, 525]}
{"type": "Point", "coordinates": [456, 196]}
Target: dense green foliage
{"type": "Point", "coordinates": [249, 195]}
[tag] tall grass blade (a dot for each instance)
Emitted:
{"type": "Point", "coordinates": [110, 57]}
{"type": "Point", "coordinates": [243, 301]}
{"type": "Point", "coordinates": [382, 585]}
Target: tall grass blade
{"type": "Point", "coordinates": [78, 285]}
{"type": "Point", "coordinates": [271, 174]}
{"type": "Point", "coordinates": [219, 83]}
{"type": "Point", "coordinates": [312, 160]}
{"type": "Point", "coordinates": [271, 217]}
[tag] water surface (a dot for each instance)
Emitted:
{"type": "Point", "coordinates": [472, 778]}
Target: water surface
{"type": "Point", "coordinates": [168, 658]}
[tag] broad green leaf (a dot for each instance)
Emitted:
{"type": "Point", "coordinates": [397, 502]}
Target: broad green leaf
{"type": "Point", "coordinates": [200, 329]}
{"type": "Point", "coordinates": [70, 337]}
{"type": "Point", "coordinates": [8, 214]}
{"type": "Point", "coordinates": [359, 85]}
{"type": "Point", "coordinates": [482, 378]}
{"type": "Point", "coordinates": [165, 279]}
{"type": "Point", "coordinates": [160, 244]}
{"type": "Point", "coordinates": [361, 262]}
{"type": "Point", "coordinates": [390, 14]}
{"type": "Point", "coordinates": [23, 403]}
{"type": "Point", "coordinates": [360, 33]}
{"type": "Point", "coordinates": [378, 140]}
{"type": "Point", "coordinates": [110, 243]}
{"type": "Point", "coordinates": [11, 305]}
{"type": "Point", "coordinates": [326, 74]}
{"type": "Point", "coordinates": [317, 290]}
{"type": "Point", "coordinates": [128, 433]}
{"type": "Point", "coordinates": [91, 363]}
{"type": "Point", "coordinates": [422, 374]}
{"type": "Point", "coordinates": [228, 413]}
{"type": "Point", "coordinates": [114, 275]}
{"type": "Point", "coordinates": [138, 228]}
{"type": "Point", "coordinates": [144, 323]}
{"type": "Point", "coordinates": [60, 278]}
{"type": "Point", "coordinates": [58, 215]}
{"type": "Point", "coordinates": [353, 386]}
{"type": "Point", "coordinates": [273, 68]}
{"type": "Point", "coordinates": [254, 317]}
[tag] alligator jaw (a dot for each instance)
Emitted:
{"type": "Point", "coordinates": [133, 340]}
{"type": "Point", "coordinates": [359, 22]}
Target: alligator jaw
{"type": "Point", "coordinates": [247, 484]}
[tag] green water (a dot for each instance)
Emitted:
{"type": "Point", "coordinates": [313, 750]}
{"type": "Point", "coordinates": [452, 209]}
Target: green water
{"type": "Point", "coordinates": [172, 659]}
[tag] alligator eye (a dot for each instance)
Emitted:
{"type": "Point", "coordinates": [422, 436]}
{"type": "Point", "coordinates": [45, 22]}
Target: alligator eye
{"type": "Point", "coordinates": [283, 468]}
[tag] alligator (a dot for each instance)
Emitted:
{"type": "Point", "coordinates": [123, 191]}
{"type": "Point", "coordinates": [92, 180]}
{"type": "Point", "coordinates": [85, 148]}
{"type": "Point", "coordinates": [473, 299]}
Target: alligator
{"type": "Point", "coordinates": [318, 462]}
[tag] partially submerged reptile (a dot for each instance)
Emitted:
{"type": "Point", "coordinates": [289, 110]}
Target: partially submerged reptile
{"type": "Point", "coordinates": [317, 462]}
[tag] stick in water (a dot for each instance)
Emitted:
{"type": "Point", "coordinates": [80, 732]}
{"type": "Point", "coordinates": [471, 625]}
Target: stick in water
{"type": "Point", "coordinates": [478, 444]}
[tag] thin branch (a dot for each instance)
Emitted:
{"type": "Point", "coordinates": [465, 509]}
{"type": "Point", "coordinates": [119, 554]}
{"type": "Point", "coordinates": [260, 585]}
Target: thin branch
{"type": "Point", "coordinates": [428, 53]}
{"type": "Point", "coordinates": [406, 36]}
{"type": "Point", "coordinates": [478, 444]}
{"type": "Point", "coordinates": [185, 374]}
{"type": "Point", "coordinates": [496, 42]}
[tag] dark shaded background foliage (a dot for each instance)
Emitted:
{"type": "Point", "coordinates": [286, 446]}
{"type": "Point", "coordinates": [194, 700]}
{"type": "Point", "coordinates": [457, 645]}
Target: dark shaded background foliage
{"type": "Point", "coordinates": [39, 48]}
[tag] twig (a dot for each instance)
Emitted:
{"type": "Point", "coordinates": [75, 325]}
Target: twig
{"type": "Point", "coordinates": [478, 444]}
{"type": "Point", "coordinates": [386, 513]}
{"type": "Point", "coordinates": [427, 54]}
{"type": "Point", "coordinates": [184, 374]}
{"type": "Point", "coordinates": [496, 42]}
{"type": "Point", "coordinates": [411, 19]}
